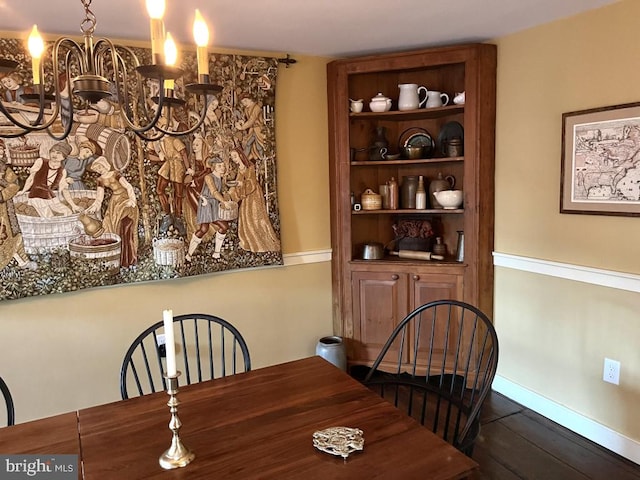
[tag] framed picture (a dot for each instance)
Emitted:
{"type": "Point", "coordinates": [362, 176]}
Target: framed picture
{"type": "Point", "coordinates": [600, 170]}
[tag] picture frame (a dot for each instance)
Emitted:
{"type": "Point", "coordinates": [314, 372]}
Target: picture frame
{"type": "Point", "coordinates": [600, 165]}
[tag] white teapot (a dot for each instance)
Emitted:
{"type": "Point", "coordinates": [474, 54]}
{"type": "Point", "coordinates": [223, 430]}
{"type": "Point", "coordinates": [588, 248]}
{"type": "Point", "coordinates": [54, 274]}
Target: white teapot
{"type": "Point", "coordinates": [380, 103]}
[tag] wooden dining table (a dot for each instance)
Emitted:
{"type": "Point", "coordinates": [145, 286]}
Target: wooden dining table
{"type": "Point", "coordinates": [254, 425]}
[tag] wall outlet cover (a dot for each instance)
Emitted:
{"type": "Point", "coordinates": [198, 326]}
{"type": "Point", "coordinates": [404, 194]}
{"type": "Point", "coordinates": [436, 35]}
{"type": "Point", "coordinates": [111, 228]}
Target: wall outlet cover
{"type": "Point", "coordinates": [611, 372]}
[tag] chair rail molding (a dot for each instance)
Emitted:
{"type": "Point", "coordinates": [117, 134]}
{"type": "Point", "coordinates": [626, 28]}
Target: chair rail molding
{"type": "Point", "coordinates": [312, 256]}
{"type": "Point", "coordinates": [577, 273]}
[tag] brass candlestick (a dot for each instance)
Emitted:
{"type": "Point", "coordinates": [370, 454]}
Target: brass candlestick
{"type": "Point", "coordinates": [178, 455]}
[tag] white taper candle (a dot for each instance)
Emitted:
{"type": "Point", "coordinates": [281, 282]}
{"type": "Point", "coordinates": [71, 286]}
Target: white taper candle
{"type": "Point", "coordinates": [170, 345]}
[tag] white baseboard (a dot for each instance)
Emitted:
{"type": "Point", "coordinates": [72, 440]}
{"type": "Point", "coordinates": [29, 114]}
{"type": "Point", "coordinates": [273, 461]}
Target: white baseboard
{"type": "Point", "coordinates": [575, 422]}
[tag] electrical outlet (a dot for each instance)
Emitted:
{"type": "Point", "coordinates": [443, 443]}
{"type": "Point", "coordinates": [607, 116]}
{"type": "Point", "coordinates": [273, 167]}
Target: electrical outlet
{"type": "Point", "coordinates": [611, 371]}
{"type": "Point", "coordinates": [162, 344]}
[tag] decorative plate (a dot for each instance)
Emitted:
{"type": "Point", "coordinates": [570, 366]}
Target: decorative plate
{"type": "Point", "coordinates": [340, 441]}
{"type": "Point", "coordinates": [447, 132]}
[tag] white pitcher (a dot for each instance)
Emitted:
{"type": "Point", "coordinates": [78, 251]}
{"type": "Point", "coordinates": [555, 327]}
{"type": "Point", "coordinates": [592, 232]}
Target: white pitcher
{"type": "Point", "coordinates": [409, 98]}
{"type": "Point", "coordinates": [436, 99]}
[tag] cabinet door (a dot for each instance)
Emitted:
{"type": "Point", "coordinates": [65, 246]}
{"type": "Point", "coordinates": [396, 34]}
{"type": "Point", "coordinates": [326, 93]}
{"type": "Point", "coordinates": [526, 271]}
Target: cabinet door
{"type": "Point", "coordinates": [380, 301]}
{"type": "Point", "coordinates": [427, 288]}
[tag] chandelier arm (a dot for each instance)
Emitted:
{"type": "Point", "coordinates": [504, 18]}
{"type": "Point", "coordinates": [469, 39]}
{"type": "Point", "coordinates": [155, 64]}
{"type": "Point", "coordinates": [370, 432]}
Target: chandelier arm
{"type": "Point", "coordinates": [123, 92]}
{"type": "Point", "coordinates": [138, 130]}
{"type": "Point", "coordinates": [119, 68]}
{"type": "Point", "coordinates": [123, 99]}
{"type": "Point", "coordinates": [25, 128]}
{"type": "Point", "coordinates": [139, 84]}
{"type": "Point", "coordinates": [73, 51]}
{"type": "Point", "coordinates": [172, 133]}
{"type": "Point", "coordinates": [37, 125]}
{"type": "Point", "coordinates": [196, 126]}
{"type": "Point", "coordinates": [58, 89]}
{"type": "Point", "coordinates": [73, 48]}
{"type": "Point", "coordinates": [175, 133]}
{"type": "Point", "coordinates": [161, 132]}
{"type": "Point", "coordinates": [120, 74]}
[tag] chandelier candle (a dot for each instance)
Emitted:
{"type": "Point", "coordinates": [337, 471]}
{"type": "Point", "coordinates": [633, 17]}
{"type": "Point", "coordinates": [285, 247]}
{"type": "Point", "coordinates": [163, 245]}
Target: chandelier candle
{"type": "Point", "coordinates": [36, 47]}
{"type": "Point", "coordinates": [170, 344]}
{"type": "Point", "coordinates": [201, 36]}
{"type": "Point", "coordinates": [155, 8]}
{"type": "Point", "coordinates": [170, 58]}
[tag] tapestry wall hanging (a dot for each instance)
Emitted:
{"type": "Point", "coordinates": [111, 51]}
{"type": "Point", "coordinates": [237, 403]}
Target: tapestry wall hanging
{"type": "Point", "coordinates": [124, 210]}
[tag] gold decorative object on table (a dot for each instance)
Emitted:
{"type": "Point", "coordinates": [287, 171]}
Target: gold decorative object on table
{"type": "Point", "coordinates": [177, 455]}
{"type": "Point", "coordinates": [340, 441]}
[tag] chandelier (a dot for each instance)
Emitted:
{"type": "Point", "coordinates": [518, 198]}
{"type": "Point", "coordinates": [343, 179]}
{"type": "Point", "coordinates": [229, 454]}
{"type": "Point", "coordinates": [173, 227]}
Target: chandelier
{"type": "Point", "coordinates": [84, 74]}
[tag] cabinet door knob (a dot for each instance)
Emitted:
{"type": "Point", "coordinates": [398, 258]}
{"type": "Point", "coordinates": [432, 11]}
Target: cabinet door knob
{"type": "Point", "coordinates": [394, 277]}
{"type": "Point", "coordinates": [416, 277]}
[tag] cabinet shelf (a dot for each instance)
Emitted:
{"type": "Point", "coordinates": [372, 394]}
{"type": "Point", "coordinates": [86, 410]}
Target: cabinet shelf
{"type": "Point", "coordinates": [420, 161]}
{"type": "Point", "coordinates": [405, 211]}
{"type": "Point", "coordinates": [436, 112]}
{"type": "Point", "coordinates": [391, 260]}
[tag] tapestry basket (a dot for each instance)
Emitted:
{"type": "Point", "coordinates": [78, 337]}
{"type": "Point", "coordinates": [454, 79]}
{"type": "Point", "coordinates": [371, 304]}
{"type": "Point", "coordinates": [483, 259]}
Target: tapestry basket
{"type": "Point", "coordinates": [23, 157]}
{"type": "Point", "coordinates": [103, 249]}
{"type": "Point", "coordinates": [168, 251]}
{"type": "Point", "coordinates": [41, 234]}
{"type": "Point", "coordinates": [228, 210]}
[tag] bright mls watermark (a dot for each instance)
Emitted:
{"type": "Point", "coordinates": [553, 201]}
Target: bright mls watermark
{"type": "Point", "coordinates": [41, 467]}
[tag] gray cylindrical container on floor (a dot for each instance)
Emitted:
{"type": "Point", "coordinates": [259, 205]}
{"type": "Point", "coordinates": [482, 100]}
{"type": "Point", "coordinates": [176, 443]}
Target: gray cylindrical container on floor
{"type": "Point", "coordinates": [332, 349]}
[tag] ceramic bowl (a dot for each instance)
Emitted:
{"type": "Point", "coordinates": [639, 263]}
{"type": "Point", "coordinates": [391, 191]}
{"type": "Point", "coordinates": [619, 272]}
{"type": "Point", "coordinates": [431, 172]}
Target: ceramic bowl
{"type": "Point", "coordinates": [449, 199]}
{"type": "Point", "coordinates": [378, 106]}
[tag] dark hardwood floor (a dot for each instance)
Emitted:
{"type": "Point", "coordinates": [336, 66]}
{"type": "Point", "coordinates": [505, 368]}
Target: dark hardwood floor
{"type": "Point", "coordinates": [517, 443]}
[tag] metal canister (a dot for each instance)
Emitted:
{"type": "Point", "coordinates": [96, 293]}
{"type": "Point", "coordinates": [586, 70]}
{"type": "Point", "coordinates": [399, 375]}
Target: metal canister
{"type": "Point", "coordinates": [460, 247]}
{"type": "Point", "coordinates": [455, 147]}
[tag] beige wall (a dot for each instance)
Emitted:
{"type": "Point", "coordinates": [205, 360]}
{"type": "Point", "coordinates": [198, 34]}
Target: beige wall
{"type": "Point", "coordinates": [62, 352]}
{"type": "Point", "coordinates": [555, 333]}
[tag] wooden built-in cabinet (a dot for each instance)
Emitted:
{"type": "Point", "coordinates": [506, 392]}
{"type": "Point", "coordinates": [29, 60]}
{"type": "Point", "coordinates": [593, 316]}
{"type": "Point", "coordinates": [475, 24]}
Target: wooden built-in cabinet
{"type": "Point", "coordinates": [372, 296]}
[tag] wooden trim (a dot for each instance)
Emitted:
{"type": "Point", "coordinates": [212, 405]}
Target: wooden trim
{"type": "Point", "coordinates": [577, 273]}
{"type": "Point", "coordinates": [575, 422]}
